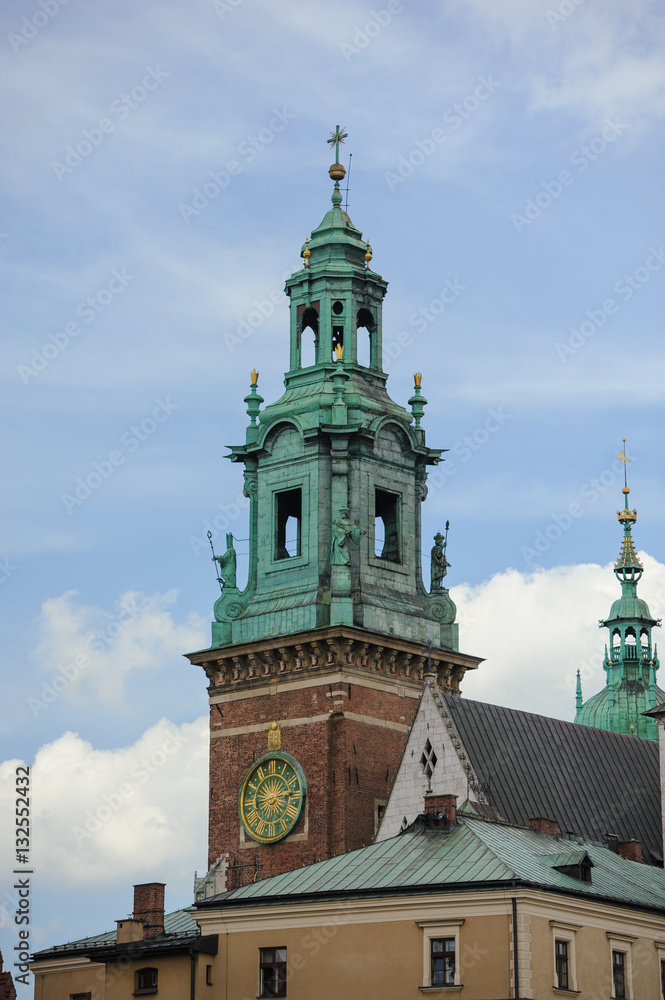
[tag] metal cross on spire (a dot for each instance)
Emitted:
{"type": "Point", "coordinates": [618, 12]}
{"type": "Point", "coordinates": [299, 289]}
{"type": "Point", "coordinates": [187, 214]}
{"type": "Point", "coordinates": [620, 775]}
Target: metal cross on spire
{"type": "Point", "coordinates": [621, 455]}
{"type": "Point", "coordinates": [337, 137]}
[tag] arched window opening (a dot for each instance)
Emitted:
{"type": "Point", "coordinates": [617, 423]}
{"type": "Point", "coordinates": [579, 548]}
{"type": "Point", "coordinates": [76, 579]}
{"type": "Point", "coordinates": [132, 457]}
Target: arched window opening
{"type": "Point", "coordinates": [309, 337]}
{"type": "Point", "coordinates": [630, 637]}
{"type": "Point", "coordinates": [337, 338]}
{"type": "Point", "coordinates": [644, 638]}
{"type": "Point", "coordinates": [364, 333]}
{"type": "Point", "coordinates": [616, 638]}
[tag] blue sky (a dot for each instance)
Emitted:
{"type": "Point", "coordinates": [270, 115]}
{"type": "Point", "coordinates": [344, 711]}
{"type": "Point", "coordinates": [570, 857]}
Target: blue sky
{"type": "Point", "coordinates": [508, 149]}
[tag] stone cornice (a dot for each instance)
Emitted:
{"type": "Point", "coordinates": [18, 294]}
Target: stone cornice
{"type": "Point", "coordinates": [336, 648]}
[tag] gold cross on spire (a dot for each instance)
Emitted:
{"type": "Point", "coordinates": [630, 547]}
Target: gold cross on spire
{"type": "Point", "coordinates": [338, 136]}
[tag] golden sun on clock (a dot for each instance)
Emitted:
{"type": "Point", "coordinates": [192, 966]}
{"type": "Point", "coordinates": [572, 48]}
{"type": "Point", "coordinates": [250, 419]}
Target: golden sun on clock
{"type": "Point", "coordinates": [271, 797]}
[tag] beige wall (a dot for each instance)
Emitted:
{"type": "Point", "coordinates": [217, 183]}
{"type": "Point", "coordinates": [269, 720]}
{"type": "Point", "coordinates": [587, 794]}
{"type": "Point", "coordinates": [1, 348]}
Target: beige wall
{"type": "Point", "coordinates": [375, 948]}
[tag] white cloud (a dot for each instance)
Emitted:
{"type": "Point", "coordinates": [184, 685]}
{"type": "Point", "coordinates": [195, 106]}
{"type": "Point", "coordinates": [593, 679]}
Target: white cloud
{"type": "Point", "coordinates": [85, 647]}
{"type": "Point", "coordinates": [586, 58]}
{"type": "Point", "coordinates": [135, 813]}
{"type": "Point", "coordinates": [536, 629]}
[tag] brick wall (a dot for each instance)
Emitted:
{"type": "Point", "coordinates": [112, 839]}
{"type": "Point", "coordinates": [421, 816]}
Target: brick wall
{"type": "Point", "coordinates": [348, 764]}
{"type": "Point", "coordinates": [149, 907]}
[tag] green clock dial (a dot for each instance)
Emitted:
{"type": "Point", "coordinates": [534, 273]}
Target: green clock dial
{"type": "Point", "coordinates": [271, 797]}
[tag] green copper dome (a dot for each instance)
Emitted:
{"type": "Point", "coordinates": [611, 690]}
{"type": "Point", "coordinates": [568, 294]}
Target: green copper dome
{"type": "Point", "coordinates": [630, 701]}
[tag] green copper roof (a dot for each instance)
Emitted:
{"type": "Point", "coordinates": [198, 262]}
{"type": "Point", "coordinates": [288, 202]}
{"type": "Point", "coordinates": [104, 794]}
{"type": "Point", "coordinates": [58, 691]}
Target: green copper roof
{"type": "Point", "coordinates": [631, 700]}
{"type": "Point", "coordinates": [471, 852]}
{"type": "Point", "coordinates": [175, 925]}
{"type": "Point", "coordinates": [630, 662]}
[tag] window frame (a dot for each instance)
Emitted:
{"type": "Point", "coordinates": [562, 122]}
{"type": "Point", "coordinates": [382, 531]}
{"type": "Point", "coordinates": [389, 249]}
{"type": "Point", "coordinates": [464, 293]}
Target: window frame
{"type": "Point", "coordinates": [274, 964]}
{"type": "Point", "coordinates": [143, 990]}
{"type": "Point", "coordinates": [275, 565]}
{"type": "Point", "coordinates": [396, 501]}
{"type": "Point", "coordinates": [434, 930]}
{"type": "Point", "coordinates": [660, 952]}
{"type": "Point", "coordinates": [565, 932]}
{"type": "Point", "coordinates": [621, 943]}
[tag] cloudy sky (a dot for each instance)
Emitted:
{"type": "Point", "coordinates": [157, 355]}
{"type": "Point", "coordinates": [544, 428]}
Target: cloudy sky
{"type": "Point", "coordinates": [162, 165]}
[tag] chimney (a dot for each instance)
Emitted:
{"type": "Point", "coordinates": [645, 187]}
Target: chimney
{"type": "Point", "coordinates": [446, 805]}
{"type": "Point", "coordinates": [543, 825]}
{"type": "Point", "coordinates": [149, 907]}
{"type": "Point", "coordinates": [631, 850]}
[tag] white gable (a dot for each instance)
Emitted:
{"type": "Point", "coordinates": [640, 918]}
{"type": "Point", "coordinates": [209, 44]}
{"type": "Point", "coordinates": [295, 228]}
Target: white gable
{"type": "Point", "coordinates": [452, 772]}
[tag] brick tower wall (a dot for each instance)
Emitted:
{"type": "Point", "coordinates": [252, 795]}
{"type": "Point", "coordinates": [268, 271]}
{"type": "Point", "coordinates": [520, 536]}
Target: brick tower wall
{"type": "Point", "coordinates": [348, 763]}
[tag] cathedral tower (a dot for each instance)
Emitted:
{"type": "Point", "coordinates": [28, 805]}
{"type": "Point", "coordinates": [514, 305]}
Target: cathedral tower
{"type": "Point", "coordinates": [631, 661]}
{"type": "Point", "coordinates": [335, 629]}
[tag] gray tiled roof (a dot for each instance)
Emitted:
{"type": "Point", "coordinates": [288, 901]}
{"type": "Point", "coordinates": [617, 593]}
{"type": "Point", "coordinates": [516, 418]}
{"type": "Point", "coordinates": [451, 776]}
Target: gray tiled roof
{"type": "Point", "coordinates": [591, 781]}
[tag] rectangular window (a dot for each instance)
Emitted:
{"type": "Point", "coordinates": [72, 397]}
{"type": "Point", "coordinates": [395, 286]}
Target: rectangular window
{"type": "Point", "coordinates": [662, 978]}
{"type": "Point", "coordinates": [145, 981]}
{"type": "Point", "coordinates": [288, 517]}
{"type": "Point", "coordinates": [386, 526]}
{"type": "Point", "coordinates": [561, 949]}
{"type": "Point", "coordinates": [80, 996]}
{"type": "Point", "coordinates": [208, 975]}
{"type": "Point", "coordinates": [442, 958]}
{"type": "Point", "coordinates": [272, 972]}
{"type": "Point", "coordinates": [619, 974]}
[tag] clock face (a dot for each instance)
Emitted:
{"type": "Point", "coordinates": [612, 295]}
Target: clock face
{"type": "Point", "coordinates": [271, 797]}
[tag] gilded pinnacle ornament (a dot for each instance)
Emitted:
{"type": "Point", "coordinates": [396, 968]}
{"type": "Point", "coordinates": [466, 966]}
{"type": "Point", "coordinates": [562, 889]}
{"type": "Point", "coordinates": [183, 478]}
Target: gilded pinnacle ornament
{"type": "Point", "coordinates": [337, 171]}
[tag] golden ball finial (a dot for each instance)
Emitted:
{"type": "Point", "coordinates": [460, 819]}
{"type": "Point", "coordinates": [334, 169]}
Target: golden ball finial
{"type": "Point", "coordinates": [254, 376]}
{"type": "Point", "coordinates": [337, 172]}
{"type": "Point", "coordinates": [368, 255]}
{"type": "Point", "coordinates": [307, 253]}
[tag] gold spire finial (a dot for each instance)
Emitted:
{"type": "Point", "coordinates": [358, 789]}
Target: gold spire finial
{"type": "Point", "coordinates": [307, 253]}
{"type": "Point", "coordinates": [339, 351]}
{"type": "Point", "coordinates": [623, 457]}
{"type": "Point", "coordinates": [368, 255]}
{"type": "Point", "coordinates": [254, 375]}
{"type": "Point", "coordinates": [417, 379]}
{"type": "Point", "coordinates": [274, 737]}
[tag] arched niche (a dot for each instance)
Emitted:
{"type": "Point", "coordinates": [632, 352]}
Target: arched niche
{"type": "Point", "coordinates": [309, 337]}
{"type": "Point", "coordinates": [365, 327]}
{"type": "Point", "coordinates": [284, 442]}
